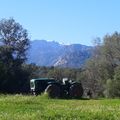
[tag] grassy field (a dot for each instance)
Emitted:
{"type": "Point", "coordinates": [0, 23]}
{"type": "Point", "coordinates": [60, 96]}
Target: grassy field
{"type": "Point", "coordinates": [20, 107]}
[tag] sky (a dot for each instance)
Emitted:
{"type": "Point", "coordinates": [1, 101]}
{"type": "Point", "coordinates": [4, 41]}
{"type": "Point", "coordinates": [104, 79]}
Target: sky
{"type": "Point", "coordinates": [64, 21]}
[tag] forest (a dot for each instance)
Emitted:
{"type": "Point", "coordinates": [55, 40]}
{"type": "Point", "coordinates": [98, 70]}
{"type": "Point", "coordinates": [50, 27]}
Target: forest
{"type": "Point", "coordinates": [100, 74]}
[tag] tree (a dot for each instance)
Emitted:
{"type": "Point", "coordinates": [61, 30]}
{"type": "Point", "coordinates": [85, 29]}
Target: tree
{"type": "Point", "coordinates": [14, 39]}
{"type": "Point", "coordinates": [14, 42]}
{"type": "Point", "coordinates": [101, 68]}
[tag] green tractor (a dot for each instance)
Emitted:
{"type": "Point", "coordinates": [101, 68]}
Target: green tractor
{"type": "Point", "coordinates": [56, 89]}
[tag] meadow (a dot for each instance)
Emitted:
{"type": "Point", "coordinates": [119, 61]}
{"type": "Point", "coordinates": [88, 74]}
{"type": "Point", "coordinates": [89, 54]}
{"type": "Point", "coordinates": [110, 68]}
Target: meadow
{"type": "Point", "coordinates": [19, 107]}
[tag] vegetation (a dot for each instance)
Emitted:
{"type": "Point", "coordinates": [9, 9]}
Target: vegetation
{"type": "Point", "coordinates": [20, 107]}
{"type": "Point", "coordinates": [102, 70]}
{"type": "Point", "coordinates": [14, 43]}
{"type": "Point", "coordinates": [100, 75]}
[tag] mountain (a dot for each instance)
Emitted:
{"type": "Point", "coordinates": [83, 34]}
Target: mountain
{"type": "Point", "coordinates": [51, 53]}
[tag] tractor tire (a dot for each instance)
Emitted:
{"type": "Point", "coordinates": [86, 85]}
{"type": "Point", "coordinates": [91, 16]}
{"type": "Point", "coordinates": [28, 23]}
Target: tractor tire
{"type": "Point", "coordinates": [53, 91]}
{"type": "Point", "coordinates": [76, 91]}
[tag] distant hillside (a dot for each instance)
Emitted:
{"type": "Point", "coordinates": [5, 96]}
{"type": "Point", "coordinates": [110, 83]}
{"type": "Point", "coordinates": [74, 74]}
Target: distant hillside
{"type": "Point", "coordinates": [46, 53]}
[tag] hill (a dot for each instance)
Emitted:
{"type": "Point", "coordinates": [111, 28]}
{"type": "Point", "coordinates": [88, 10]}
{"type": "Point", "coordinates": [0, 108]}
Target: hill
{"type": "Point", "coordinates": [51, 53]}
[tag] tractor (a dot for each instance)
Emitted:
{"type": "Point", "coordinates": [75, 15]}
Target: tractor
{"type": "Point", "coordinates": [55, 88]}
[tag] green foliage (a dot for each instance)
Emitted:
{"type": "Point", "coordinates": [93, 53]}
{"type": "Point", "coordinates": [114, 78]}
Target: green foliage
{"type": "Point", "coordinates": [14, 43]}
{"type": "Point", "coordinates": [113, 86]}
{"type": "Point", "coordinates": [109, 91]}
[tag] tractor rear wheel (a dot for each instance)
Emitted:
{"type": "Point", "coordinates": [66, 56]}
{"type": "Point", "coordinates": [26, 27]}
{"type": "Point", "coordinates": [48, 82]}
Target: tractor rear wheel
{"type": "Point", "coordinates": [53, 91]}
{"type": "Point", "coordinates": [76, 90]}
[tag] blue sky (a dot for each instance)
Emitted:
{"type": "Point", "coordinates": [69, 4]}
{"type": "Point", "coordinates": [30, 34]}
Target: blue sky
{"type": "Point", "coordinates": [64, 21]}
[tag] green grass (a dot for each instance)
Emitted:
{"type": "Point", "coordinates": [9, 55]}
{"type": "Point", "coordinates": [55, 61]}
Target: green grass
{"type": "Point", "coordinates": [18, 107]}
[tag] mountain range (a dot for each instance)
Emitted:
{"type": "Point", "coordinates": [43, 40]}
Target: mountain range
{"type": "Point", "coordinates": [51, 53]}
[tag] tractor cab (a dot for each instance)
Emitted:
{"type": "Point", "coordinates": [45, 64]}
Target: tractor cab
{"type": "Point", "coordinates": [37, 86]}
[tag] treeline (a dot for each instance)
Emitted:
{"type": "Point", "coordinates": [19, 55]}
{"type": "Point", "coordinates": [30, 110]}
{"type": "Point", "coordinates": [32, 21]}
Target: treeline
{"type": "Point", "coordinates": [100, 75]}
{"type": "Point", "coordinates": [53, 72]}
